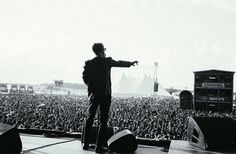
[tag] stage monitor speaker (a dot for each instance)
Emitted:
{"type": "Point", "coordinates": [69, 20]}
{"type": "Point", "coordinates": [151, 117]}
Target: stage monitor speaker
{"type": "Point", "coordinates": [10, 142]}
{"type": "Point", "coordinates": [212, 133]}
{"type": "Point", "coordinates": [123, 142]}
{"type": "Point", "coordinates": [93, 134]}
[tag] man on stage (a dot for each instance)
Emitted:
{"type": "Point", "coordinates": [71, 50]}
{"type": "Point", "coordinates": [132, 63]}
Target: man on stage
{"type": "Point", "coordinates": [96, 76]}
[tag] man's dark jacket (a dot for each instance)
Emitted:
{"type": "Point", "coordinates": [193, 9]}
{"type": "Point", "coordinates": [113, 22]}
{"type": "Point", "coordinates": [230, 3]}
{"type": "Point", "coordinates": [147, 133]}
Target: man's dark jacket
{"type": "Point", "coordinates": [97, 74]}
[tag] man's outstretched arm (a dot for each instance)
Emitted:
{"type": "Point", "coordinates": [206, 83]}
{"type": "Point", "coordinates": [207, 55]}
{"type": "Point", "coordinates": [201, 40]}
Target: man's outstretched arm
{"type": "Point", "coordinates": [122, 63]}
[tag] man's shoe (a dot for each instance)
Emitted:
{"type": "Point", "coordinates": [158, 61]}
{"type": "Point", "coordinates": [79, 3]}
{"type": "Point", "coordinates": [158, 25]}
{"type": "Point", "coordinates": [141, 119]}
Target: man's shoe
{"type": "Point", "coordinates": [85, 147]}
{"type": "Point", "coordinates": [101, 150]}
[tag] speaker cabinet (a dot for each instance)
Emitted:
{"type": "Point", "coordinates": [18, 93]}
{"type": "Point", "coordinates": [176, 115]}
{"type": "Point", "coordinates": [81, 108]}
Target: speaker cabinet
{"type": "Point", "coordinates": [212, 133]}
{"type": "Point", "coordinates": [10, 142]}
{"type": "Point", "coordinates": [123, 142]}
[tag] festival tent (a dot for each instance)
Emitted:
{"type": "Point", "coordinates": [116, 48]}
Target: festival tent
{"type": "Point", "coordinates": [133, 86]}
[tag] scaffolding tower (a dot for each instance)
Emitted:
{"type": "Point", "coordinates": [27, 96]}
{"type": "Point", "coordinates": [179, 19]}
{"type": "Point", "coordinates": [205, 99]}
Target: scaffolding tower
{"type": "Point", "coordinates": [155, 77]}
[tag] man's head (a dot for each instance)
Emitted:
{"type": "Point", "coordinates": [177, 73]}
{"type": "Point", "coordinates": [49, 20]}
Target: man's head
{"type": "Point", "coordinates": [99, 49]}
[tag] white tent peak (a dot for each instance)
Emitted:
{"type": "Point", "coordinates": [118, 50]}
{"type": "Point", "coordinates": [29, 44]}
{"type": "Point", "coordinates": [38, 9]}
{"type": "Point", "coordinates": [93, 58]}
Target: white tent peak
{"type": "Point", "coordinates": [144, 87]}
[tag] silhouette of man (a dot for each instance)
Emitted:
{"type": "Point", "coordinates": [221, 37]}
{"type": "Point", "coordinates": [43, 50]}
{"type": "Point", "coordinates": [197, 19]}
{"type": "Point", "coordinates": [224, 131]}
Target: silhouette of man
{"type": "Point", "coordinates": [96, 76]}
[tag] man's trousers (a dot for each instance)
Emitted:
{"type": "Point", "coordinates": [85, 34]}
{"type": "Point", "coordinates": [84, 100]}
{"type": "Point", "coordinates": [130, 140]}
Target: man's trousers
{"type": "Point", "coordinates": [103, 102]}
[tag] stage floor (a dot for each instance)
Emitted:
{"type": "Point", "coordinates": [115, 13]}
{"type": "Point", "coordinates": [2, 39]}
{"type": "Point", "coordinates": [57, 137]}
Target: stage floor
{"type": "Point", "coordinates": [37, 144]}
{"type": "Point", "coordinates": [183, 147]}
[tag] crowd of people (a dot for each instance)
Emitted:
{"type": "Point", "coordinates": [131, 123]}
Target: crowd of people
{"type": "Point", "coordinates": [53, 112]}
{"type": "Point", "coordinates": [146, 117]}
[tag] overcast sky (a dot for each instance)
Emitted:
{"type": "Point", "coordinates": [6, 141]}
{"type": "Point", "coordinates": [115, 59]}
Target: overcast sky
{"type": "Point", "coordinates": [43, 40]}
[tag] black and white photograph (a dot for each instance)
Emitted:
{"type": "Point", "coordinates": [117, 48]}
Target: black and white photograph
{"type": "Point", "coordinates": [117, 76]}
